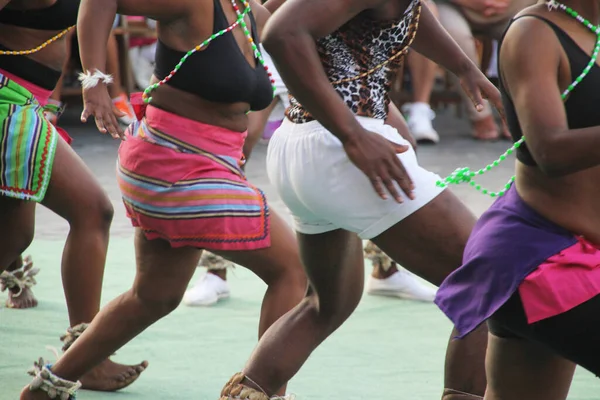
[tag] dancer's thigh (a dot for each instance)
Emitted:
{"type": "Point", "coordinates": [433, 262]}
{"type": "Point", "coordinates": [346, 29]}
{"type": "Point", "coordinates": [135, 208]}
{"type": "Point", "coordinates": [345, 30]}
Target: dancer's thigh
{"type": "Point", "coordinates": [523, 370]}
{"type": "Point", "coordinates": [163, 272]}
{"type": "Point", "coordinates": [431, 241]}
{"type": "Point", "coordinates": [574, 334]}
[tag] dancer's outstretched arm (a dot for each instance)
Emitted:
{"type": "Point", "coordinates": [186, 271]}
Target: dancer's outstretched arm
{"type": "Point", "coordinates": [94, 26]}
{"type": "Point", "coordinates": [289, 38]}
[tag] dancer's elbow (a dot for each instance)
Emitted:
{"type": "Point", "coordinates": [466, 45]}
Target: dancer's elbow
{"type": "Point", "coordinates": [277, 38]}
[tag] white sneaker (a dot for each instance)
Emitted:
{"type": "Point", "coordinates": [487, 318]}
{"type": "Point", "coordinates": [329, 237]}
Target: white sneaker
{"type": "Point", "coordinates": [402, 284]}
{"type": "Point", "coordinates": [419, 117]}
{"type": "Point", "coordinates": [207, 291]}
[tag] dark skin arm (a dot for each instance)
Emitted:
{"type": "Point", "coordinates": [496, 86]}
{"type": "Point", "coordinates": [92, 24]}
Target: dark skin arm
{"type": "Point", "coordinates": [3, 3]}
{"type": "Point", "coordinates": [273, 5]}
{"type": "Point", "coordinates": [290, 39]}
{"type": "Point", "coordinates": [94, 25]}
{"type": "Point", "coordinates": [530, 73]}
{"type": "Point", "coordinates": [261, 15]}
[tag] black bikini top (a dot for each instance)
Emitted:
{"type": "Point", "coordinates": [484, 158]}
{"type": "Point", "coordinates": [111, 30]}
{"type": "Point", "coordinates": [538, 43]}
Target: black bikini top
{"type": "Point", "coordinates": [581, 106]}
{"type": "Point", "coordinates": [220, 73]}
{"type": "Point", "coordinates": [59, 16]}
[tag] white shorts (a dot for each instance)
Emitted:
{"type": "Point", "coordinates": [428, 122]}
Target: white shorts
{"type": "Point", "coordinates": [325, 191]}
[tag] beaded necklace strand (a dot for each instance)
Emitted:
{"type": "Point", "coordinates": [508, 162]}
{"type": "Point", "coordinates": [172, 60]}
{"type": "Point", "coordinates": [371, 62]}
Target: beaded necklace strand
{"type": "Point", "coordinates": [36, 49]}
{"type": "Point", "coordinates": [239, 21]}
{"type": "Point", "coordinates": [461, 175]}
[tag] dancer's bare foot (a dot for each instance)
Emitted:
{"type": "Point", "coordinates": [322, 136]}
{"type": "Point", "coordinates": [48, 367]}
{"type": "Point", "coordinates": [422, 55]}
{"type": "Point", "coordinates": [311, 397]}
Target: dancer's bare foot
{"type": "Point", "coordinates": [22, 300]}
{"type": "Point", "coordinates": [110, 376]}
{"type": "Point", "coordinates": [27, 394]}
{"type": "Point", "coordinates": [107, 377]}
{"type": "Point", "coordinates": [485, 129]}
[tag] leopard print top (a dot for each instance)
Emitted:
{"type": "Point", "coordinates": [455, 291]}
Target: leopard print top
{"type": "Point", "coordinates": [355, 50]}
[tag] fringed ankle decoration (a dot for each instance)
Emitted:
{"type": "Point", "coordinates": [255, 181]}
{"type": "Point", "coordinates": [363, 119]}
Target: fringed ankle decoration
{"type": "Point", "coordinates": [22, 278]}
{"type": "Point", "coordinates": [378, 257]}
{"type": "Point", "coordinates": [451, 394]}
{"type": "Point", "coordinates": [72, 335]}
{"type": "Point", "coordinates": [236, 390]}
{"type": "Point", "coordinates": [214, 262]}
{"type": "Point", "coordinates": [46, 381]}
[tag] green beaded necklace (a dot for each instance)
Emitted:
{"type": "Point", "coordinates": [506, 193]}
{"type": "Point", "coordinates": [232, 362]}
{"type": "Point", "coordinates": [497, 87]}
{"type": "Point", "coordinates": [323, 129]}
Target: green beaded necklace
{"type": "Point", "coordinates": [239, 21]}
{"type": "Point", "coordinates": [461, 175]}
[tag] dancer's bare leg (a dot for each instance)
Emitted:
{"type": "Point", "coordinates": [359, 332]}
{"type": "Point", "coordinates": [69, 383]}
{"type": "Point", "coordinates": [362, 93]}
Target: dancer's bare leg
{"type": "Point", "coordinates": [279, 266]}
{"type": "Point", "coordinates": [433, 241]}
{"type": "Point", "coordinates": [521, 370]}
{"type": "Point", "coordinates": [76, 196]}
{"type": "Point", "coordinates": [18, 218]}
{"type": "Point", "coordinates": [162, 276]}
{"type": "Point", "coordinates": [335, 269]}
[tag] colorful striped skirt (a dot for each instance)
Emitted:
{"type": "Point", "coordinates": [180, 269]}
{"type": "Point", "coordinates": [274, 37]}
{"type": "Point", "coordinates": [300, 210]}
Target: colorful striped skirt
{"type": "Point", "coordinates": [181, 182]}
{"type": "Point", "coordinates": [42, 96]}
{"type": "Point", "coordinates": [27, 144]}
{"type": "Point", "coordinates": [513, 248]}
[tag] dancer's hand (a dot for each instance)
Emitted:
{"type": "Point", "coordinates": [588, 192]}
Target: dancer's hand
{"type": "Point", "coordinates": [478, 87]}
{"type": "Point", "coordinates": [377, 158]}
{"type": "Point", "coordinates": [97, 103]}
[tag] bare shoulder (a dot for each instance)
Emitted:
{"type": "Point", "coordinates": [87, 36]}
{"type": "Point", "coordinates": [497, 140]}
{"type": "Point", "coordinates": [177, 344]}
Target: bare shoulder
{"type": "Point", "coordinates": [318, 17]}
{"type": "Point", "coordinates": [521, 50]}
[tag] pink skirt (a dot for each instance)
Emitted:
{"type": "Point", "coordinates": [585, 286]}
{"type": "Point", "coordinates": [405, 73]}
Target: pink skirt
{"type": "Point", "coordinates": [181, 182]}
{"type": "Point", "coordinates": [562, 282]}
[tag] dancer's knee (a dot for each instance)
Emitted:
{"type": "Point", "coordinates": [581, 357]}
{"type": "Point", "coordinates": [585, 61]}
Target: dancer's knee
{"type": "Point", "coordinates": [334, 309]}
{"type": "Point", "coordinates": [156, 305]}
{"type": "Point", "coordinates": [96, 216]}
{"type": "Point", "coordinates": [15, 244]}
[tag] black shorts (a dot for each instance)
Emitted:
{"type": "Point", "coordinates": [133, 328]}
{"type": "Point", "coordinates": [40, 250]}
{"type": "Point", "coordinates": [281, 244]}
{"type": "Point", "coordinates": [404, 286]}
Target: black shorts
{"type": "Point", "coordinates": [574, 335]}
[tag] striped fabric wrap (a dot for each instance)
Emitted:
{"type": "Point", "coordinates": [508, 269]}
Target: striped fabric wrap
{"type": "Point", "coordinates": [27, 144]}
{"type": "Point", "coordinates": [181, 182]}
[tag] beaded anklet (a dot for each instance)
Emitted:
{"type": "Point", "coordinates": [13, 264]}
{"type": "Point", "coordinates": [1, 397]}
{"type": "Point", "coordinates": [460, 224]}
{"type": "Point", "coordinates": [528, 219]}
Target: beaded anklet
{"type": "Point", "coordinates": [46, 381]}
{"type": "Point", "coordinates": [72, 335]}
{"type": "Point", "coordinates": [377, 256]}
{"type": "Point", "coordinates": [36, 49]}
{"type": "Point", "coordinates": [235, 390]}
{"type": "Point", "coordinates": [213, 262]}
{"type": "Point", "coordinates": [23, 278]}
{"type": "Point", "coordinates": [464, 174]}
{"type": "Point", "coordinates": [239, 21]}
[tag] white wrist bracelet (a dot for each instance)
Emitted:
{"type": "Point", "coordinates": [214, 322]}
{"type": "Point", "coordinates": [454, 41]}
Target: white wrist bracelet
{"type": "Point", "coordinates": [89, 80]}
